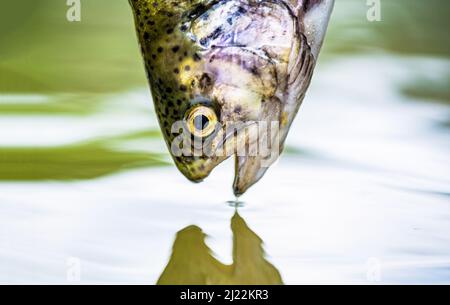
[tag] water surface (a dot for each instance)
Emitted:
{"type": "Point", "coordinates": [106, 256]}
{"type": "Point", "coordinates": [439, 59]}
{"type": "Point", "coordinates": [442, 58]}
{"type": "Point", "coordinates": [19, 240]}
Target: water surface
{"type": "Point", "coordinates": [360, 196]}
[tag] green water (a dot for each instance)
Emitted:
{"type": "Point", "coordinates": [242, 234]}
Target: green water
{"type": "Point", "coordinates": [77, 65]}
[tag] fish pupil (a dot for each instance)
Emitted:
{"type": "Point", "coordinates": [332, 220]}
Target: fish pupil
{"type": "Point", "coordinates": [201, 122]}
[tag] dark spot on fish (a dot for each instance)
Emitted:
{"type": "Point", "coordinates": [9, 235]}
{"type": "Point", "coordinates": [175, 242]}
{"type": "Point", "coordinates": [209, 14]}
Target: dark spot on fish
{"type": "Point", "coordinates": [204, 42]}
{"type": "Point", "coordinates": [205, 81]}
{"type": "Point", "coordinates": [196, 57]}
{"type": "Point", "coordinates": [241, 10]}
{"type": "Point", "coordinates": [214, 35]}
{"type": "Point", "coordinates": [254, 71]}
{"type": "Point", "coordinates": [310, 4]}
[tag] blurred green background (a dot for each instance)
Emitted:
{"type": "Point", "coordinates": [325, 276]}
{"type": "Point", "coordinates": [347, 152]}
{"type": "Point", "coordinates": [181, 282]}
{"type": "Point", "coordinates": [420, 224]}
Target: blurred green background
{"type": "Point", "coordinates": [50, 67]}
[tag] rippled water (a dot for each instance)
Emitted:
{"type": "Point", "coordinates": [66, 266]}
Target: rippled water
{"type": "Point", "coordinates": [360, 196]}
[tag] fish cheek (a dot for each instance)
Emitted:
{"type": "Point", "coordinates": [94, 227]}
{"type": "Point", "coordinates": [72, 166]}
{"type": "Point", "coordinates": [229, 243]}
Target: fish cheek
{"type": "Point", "coordinates": [238, 104]}
{"type": "Point", "coordinates": [243, 82]}
{"type": "Point", "coordinates": [240, 97]}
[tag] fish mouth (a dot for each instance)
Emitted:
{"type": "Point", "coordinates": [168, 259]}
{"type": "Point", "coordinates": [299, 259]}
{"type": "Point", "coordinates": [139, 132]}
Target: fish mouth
{"type": "Point", "coordinates": [245, 144]}
{"type": "Point", "coordinates": [248, 171]}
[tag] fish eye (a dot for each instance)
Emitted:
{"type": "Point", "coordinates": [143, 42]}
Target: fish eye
{"type": "Point", "coordinates": [201, 121]}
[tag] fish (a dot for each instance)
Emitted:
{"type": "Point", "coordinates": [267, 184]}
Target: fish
{"type": "Point", "coordinates": [228, 77]}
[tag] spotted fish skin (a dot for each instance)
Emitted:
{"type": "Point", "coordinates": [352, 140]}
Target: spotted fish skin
{"type": "Point", "coordinates": [248, 60]}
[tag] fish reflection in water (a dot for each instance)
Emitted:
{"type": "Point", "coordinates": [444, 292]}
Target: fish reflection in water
{"type": "Point", "coordinates": [192, 262]}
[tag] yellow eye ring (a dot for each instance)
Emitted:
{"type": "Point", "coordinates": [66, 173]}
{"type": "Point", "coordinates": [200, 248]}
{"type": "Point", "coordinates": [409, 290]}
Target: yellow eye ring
{"type": "Point", "coordinates": [201, 121]}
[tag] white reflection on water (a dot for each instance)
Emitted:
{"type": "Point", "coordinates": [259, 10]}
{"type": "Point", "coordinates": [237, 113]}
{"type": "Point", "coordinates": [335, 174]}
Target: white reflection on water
{"type": "Point", "coordinates": [23, 99]}
{"type": "Point", "coordinates": [122, 113]}
{"type": "Point", "coordinates": [373, 185]}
